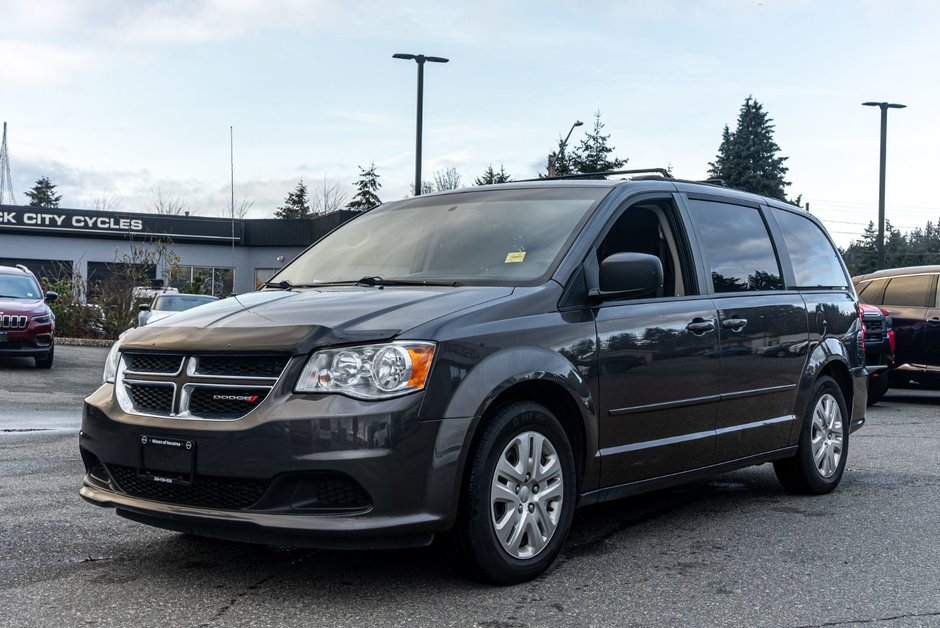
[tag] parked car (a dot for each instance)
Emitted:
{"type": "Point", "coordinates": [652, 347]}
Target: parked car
{"type": "Point", "coordinates": [479, 363]}
{"type": "Point", "coordinates": [911, 298]}
{"type": "Point", "coordinates": [27, 325]}
{"type": "Point", "coordinates": [879, 350]}
{"type": "Point", "coordinates": [168, 304]}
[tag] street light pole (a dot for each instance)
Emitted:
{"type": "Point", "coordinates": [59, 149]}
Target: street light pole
{"type": "Point", "coordinates": [553, 158]}
{"type": "Point", "coordinates": [420, 60]}
{"type": "Point", "coordinates": [881, 182]}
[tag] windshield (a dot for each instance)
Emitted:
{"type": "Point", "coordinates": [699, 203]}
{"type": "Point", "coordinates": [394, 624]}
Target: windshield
{"type": "Point", "coordinates": [19, 287]}
{"type": "Point", "coordinates": [480, 237]}
{"type": "Point", "coordinates": [178, 303]}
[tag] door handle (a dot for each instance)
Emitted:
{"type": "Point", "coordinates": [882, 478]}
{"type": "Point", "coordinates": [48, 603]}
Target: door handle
{"type": "Point", "coordinates": [934, 321]}
{"type": "Point", "coordinates": [734, 324]}
{"type": "Point", "coordinates": [699, 325]}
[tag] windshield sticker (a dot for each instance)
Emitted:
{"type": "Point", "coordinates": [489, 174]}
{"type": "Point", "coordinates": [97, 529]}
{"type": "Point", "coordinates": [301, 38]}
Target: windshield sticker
{"type": "Point", "coordinates": [515, 257]}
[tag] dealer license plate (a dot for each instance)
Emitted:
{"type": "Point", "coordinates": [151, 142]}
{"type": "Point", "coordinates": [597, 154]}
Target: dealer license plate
{"type": "Point", "coordinates": [167, 460]}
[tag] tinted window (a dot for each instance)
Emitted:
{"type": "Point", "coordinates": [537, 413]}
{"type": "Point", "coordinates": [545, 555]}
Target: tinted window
{"type": "Point", "coordinates": [873, 292]}
{"type": "Point", "coordinates": [914, 291]}
{"type": "Point", "coordinates": [815, 261]}
{"type": "Point", "coordinates": [737, 246]}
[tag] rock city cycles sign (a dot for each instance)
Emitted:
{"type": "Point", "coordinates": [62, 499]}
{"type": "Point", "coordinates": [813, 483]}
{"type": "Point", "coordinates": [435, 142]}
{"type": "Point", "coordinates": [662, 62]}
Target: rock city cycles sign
{"type": "Point", "coordinates": [107, 224]}
{"type": "Point", "coordinates": [43, 218]}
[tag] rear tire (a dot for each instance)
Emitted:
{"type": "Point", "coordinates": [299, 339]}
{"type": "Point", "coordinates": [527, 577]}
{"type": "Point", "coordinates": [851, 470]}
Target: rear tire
{"type": "Point", "coordinates": [823, 448]}
{"type": "Point", "coordinates": [45, 362]}
{"type": "Point", "coordinates": [518, 496]}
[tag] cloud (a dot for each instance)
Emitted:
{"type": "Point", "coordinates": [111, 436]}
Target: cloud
{"type": "Point", "coordinates": [32, 65]}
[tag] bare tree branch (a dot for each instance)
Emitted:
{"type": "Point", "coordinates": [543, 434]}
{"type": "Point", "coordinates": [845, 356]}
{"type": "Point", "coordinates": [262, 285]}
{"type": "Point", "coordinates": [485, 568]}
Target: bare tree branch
{"type": "Point", "coordinates": [164, 204]}
{"type": "Point", "coordinates": [327, 197]}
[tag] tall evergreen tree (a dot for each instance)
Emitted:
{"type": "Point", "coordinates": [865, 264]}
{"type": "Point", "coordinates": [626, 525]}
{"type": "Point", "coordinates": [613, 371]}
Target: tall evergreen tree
{"type": "Point", "coordinates": [296, 205]}
{"type": "Point", "coordinates": [748, 158]}
{"type": "Point", "coordinates": [43, 194]}
{"type": "Point", "coordinates": [367, 186]}
{"type": "Point", "coordinates": [490, 176]}
{"type": "Point", "coordinates": [562, 160]}
{"type": "Point", "coordinates": [593, 154]}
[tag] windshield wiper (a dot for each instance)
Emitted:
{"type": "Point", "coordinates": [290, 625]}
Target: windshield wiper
{"type": "Point", "coordinates": [283, 284]}
{"type": "Point", "coordinates": [381, 281]}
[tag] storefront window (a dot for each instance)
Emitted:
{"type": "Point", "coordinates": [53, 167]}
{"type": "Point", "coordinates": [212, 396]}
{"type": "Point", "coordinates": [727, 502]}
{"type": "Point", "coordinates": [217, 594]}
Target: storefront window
{"type": "Point", "coordinates": [263, 274]}
{"type": "Point", "coordinates": [203, 280]}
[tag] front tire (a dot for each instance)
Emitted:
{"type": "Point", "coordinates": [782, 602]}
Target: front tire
{"type": "Point", "coordinates": [45, 362]}
{"type": "Point", "coordinates": [823, 448]}
{"type": "Point", "coordinates": [518, 497]}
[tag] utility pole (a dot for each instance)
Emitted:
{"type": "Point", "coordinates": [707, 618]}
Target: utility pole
{"type": "Point", "coordinates": [420, 60]}
{"type": "Point", "coordinates": [6, 181]}
{"type": "Point", "coordinates": [881, 180]}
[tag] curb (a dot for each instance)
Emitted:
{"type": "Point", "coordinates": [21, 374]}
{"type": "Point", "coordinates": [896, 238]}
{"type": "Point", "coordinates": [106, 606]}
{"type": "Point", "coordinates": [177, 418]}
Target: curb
{"type": "Point", "coordinates": [83, 342]}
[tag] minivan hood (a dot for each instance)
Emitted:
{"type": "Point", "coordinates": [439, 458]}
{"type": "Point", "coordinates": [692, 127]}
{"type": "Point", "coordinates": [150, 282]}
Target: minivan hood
{"type": "Point", "coordinates": [297, 321]}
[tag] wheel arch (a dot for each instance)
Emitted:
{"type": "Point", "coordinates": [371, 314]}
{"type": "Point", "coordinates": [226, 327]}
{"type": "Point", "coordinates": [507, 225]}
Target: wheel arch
{"type": "Point", "coordinates": [541, 376]}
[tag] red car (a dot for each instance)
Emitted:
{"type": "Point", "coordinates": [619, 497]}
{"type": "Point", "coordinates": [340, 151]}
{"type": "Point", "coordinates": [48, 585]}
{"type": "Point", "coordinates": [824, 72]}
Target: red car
{"type": "Point", "coordinates": [27, 325]}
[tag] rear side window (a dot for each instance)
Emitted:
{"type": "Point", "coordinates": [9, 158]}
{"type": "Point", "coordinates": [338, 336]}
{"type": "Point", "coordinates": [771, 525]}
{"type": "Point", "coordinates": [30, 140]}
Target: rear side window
{"type": "Point", "coordinates": [738, 247]}
{"type": "Point", "coordinates": [872, 292]}
{"type": "Point", "coordinates": [815, 262]}
{"type": "Point", "coordinates": [910, 291]}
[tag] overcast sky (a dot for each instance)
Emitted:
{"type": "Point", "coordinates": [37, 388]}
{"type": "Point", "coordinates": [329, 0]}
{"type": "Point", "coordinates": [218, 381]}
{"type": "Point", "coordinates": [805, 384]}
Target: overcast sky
{"type": "Point", "coordinates": [113, 99]}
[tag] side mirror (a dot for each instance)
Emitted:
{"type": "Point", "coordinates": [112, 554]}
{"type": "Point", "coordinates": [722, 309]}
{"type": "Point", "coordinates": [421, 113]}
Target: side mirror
{"type": "Point", "coordinates": [628, 274]}
{"type": "Point", "coordinates": [51, 296]}
{"type": "Point", "coordinates": [144, 307]}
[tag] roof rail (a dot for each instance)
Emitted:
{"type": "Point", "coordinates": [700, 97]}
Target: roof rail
{"type": "Point", "coordinates": [590, 175]}
{"type": "Point", "coordinates": [715, 181]}
{"type": "Point", "coordinates": [24, 269]}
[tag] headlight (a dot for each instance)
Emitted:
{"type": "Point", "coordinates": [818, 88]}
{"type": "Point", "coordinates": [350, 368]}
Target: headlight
{"type": "Point", "coordinates": [45, 318]}
{"type": "Point", "coordinates": [368, 371]}
{"type": "Point", "coordinates": [112, 361]}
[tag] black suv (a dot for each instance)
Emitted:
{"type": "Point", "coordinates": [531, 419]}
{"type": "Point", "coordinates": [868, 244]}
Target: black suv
{"type": "Point", "coordinates": [27, 325]}
{"type": "Point", "coordinates": [482, 362]}
{"type": "Point", "coordinates": [910, 296]}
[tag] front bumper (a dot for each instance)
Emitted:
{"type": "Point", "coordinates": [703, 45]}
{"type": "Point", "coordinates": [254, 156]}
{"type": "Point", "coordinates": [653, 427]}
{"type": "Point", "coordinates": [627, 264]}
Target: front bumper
{"type": "Point", "coordinates": [322, 471]}
{"type": "Point", "coordinates": [30, 342]}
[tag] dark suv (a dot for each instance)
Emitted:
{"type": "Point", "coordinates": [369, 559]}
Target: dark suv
{"type": "Point", "coordinates": [27, 325]}
{"type": "Point", "coordinates": [910, 296]}
{"type": "Point", "coordinates": [482, 362]}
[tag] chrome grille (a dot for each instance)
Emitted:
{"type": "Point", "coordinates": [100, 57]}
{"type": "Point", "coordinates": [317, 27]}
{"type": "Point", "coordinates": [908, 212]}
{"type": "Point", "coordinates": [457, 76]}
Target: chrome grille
{"type": "Point", "coordinates": [10, 321]}
{"type": "Point", "coordinates": [182, 386]}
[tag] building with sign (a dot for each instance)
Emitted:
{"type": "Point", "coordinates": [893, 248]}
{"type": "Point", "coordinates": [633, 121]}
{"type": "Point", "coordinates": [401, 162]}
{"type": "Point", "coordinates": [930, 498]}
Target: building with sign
{"type": "Point", "coordinates": [219, 255]}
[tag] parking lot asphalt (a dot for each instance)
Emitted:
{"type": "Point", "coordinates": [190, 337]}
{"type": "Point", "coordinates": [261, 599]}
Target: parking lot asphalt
{"type": "Point", "coordinates": [731, 551]}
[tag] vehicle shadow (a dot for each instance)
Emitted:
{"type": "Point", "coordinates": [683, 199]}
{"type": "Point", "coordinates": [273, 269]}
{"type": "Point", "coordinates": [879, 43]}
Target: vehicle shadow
{"type": "Point", "coordinates": [12, 363]}
{"type": "Point", "coordinates": [595, 528]}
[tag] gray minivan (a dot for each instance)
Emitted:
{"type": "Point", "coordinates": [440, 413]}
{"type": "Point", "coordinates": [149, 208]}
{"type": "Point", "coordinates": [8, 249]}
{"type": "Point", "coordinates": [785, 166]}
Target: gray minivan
{"type": "Point", "coordinates": [479, 363]}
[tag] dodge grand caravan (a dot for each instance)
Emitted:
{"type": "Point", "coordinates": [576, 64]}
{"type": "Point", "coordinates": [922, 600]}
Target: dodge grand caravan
{"type": "Point", "coordinates": [482, 362]}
